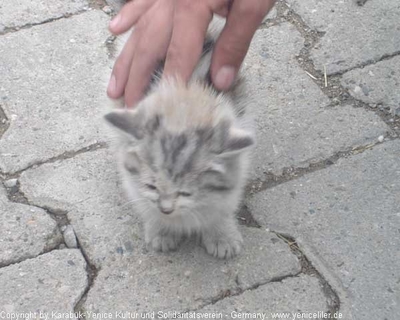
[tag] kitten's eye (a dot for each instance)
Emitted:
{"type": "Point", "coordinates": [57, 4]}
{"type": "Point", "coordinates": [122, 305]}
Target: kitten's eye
{"type": "Point", "coordinates": [151, 186]}
{"type": "Point", "coordinates": [184, 194]}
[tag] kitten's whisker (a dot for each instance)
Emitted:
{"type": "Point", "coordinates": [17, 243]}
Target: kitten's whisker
{"type": "Point", "coordinates": [132, 201]}
{"type": "Point", "coordinates": [145, 211]}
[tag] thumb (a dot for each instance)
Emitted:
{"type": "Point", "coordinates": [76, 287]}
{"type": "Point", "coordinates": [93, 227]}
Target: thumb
{"type": "Point", "coordinates": [231, 48]}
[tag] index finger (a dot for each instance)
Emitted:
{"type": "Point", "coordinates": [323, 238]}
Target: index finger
{"type": "Point", "coordinates": [191, 20]}
{"type": "Point", "coordinates": [231, 48]}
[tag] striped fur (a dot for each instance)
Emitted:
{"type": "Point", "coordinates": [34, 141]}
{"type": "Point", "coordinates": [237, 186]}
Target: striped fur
{"type": "Point", "coordinates": [183, 154]}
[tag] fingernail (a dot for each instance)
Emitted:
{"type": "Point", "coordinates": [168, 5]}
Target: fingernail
{"type": "Point", "coordinates": [115, 22]}
{"type": "Point", "coordinates": [225, 77]}
{"type": "Point", "coordinates": [112, 86]}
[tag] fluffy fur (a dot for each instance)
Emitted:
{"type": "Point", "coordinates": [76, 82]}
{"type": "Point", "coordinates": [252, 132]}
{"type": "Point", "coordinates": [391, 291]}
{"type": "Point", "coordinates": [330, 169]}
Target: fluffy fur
{"type": "Point", "coordinates": [183, 154]}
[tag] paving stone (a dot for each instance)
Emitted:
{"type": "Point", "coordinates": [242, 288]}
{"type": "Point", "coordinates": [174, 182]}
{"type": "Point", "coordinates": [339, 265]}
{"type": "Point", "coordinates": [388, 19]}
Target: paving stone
{"type": "Point", "coordinates": [52, 282]}
{"type": "Point", "coordinates": [19, 13]}
{"type": "Point", "coordinates": [25, 231]}
{"type": "Point", "coordinates": [376, 84]}
{"type": "Point", "coordinates": [189, 278]}
{"type": "Point", "coordinates": [291, 112]}
{"type": "Point", "coordinates": [302, 294]}
{"type": "Point", "coordinates": [87, 188]}
{"type": "Point", "coordinates": [353, 34]}
{"type": "Point", "coordinates": [35, 64]}
{"type": "Point", "coordinates": [272, 14]}
{"type": "Point", "coordinates": [116, 4]}
{"type": "Point", "coordinates": [346, 219]}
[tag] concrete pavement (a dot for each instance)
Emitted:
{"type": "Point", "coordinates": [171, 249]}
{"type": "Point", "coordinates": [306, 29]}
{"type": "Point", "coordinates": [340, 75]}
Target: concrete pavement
{"type": "Point", "coordinates": [321, 215]}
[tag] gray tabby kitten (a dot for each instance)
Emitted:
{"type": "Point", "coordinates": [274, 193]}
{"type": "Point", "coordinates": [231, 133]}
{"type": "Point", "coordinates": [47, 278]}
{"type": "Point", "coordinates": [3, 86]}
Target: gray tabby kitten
{"type": "Point", "coordinates": [183, 154]}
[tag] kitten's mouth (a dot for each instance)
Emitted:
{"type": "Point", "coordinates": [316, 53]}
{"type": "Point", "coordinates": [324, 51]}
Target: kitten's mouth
{"type": "Point", "coordinates": [167, 212]}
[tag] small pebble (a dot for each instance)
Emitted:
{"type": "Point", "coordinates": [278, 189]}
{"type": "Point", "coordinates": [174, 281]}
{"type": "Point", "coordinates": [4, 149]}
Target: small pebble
{"type": "Point", "coordinates": [107, 9]}
{"type": "Point", "coordinates": [69, 237]}
{"type": "Point", "coordinates": [357, 89]}
{"type": "Point", "coordinates": [11, 183]}
{"type": "Point", "coordinates": [381, 138]}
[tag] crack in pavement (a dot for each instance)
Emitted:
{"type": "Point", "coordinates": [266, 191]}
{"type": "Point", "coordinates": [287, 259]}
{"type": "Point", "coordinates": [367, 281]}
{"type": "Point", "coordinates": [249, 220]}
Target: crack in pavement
{"type": "Point", "coordinates": [332, 297]}
{"type": "Point", "coordinates": [111, 46]}
{"type": "Point", "coordinates": [4, 122]}
{"type": "Point", "coordinates": [30, 258]}
{"type": "Point", "coordinates": [238, 291]}
{"type": "Point", "coordinates": [391, 120]}
{"type": "Point", "coordinates": [91, 272]}
{"type": "Point", "coordinates": [7, 30]}
{"type": "Point", "coordinates": [63, 156]}
{"type": "Point", "coordinates": [97, 4]}
{"type": "Point", "coordinates": [60, 216]}
{"type": "Point", "coordinates": [14, 195]}
{"type": "Point", "coordinates": [330, 85]}
{"type": "Point", "coordinates": [367, 63]}
{"type": "Point", "coordinates": [271, 180]}
{"type": "Point", "coordinates": [92, 4]}
{"type": "Point", "coordinates": [361, 3]}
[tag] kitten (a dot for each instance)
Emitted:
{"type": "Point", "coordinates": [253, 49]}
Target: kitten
{"type": "Point", "coordinates": [183, 154]}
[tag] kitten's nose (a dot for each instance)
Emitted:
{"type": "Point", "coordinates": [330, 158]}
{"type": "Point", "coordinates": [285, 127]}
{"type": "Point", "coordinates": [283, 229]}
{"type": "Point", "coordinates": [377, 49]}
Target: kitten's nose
{"type": "Point", "coordinates": [166, 210]}
{"type": "Point", "coordinates": [166, 206]}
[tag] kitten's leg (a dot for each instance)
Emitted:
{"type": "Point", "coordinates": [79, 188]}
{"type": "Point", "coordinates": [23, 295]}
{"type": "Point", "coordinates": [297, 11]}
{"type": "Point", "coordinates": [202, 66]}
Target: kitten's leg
{"type": "Point", "coordinates": [165, 243]}
{"type": "Point", "coordinates": [222, 239]}
{"type": "Point", "coordinates": [159, 240]}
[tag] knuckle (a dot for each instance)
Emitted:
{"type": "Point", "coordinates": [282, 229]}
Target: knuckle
{"type": "Point", "coordinates": [140, 27]}
{"type": "Point", "coordinates": [174, 53]}
{"type": "Point", "coordinates": [141, 49]}
{"type": "Point", "coordinates": [232, 51]}
{"type": "Point", "coordinates": [120, 64]}
{"type": "Point", "coordinates": [252, 9]}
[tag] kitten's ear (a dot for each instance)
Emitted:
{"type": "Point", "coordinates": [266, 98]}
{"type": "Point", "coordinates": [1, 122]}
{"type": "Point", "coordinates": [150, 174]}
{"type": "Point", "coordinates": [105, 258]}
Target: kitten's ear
{"type": "Point", "coordinates": [228, 139]}
{"type": "Point", "coordinates": [237, 140]}
{"type": "Point", "coordinates": [130, 122]}
{"type": "Point", "coordinates": [215, 177]}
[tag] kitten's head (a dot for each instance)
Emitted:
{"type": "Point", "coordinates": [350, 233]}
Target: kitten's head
{"type": "Point", "coordinates": [178, 166]}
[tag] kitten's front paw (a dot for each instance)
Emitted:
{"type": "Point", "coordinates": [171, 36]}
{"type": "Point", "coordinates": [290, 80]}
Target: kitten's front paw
{"type": "Point", "coordinates": [223, 248]}
{"type": "Point", "coordinates": [164, 243]}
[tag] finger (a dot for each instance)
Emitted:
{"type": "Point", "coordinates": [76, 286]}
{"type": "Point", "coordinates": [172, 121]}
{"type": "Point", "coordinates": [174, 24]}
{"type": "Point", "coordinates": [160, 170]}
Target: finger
{"type": "Point", "coordinates": [233, 43]}
{"type": "Point", "coordinates": [191, 19]}
{"type": "Point", "coordinates": [129, 15]}
{"type": "Point", "coordinates": [120, 73]}
{"type": "Point", "coordinates": [151, 48]}
{"type": "Point", "coordinates": [220, 7]}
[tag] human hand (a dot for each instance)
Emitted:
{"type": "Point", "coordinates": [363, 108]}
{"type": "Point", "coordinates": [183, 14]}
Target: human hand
{"type": "Point", "coordinates": [174, 30]}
